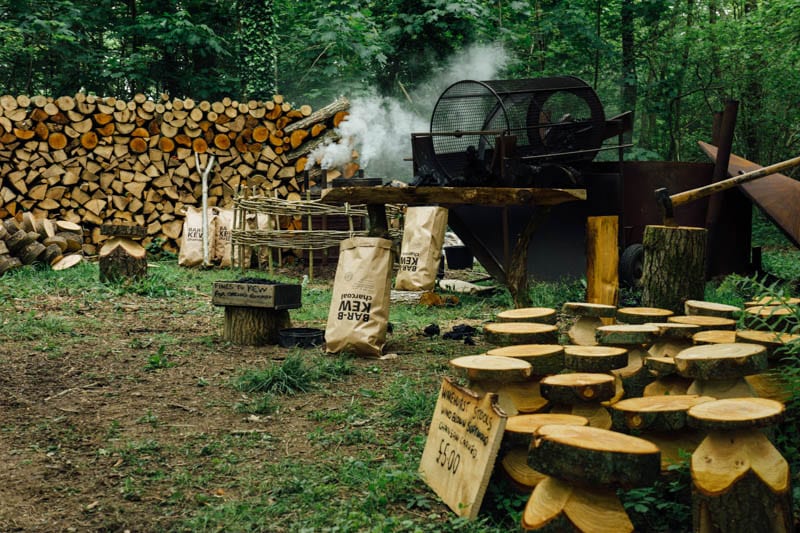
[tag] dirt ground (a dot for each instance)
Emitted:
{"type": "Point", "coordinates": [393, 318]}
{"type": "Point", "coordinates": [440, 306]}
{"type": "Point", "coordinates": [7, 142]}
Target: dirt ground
{"type": "Point", "coordinates": [82, 416]}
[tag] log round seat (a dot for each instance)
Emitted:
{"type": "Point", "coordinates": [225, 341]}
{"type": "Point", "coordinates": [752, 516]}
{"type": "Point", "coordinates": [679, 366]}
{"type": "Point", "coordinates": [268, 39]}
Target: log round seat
{"type": "Point", "coordinates": [642, 315]}
{"type": "Point", "coordinates": [544, 358]}
{"type": "Point", "coordinates": [491, 368]}
{"type": "Point", "coordinates": [627, 334]}
{"type": "Point", "coordinates": [594, 358]}
{"type": "Point", "coordinates": [703, 308]}
{"type": "Point", "coordinates": [510, 333]}
{"type": "Point", "coordinates": [655, 413]}
{"type": "Point", "coordinates": [704, 322]}
{"type": "Point", "coordinates": [736, 413]}
{"type": "Point", "coordinates": [714, 336]}
{"type": "Point", "coordinates": [543, 315]}
{"type": "Point", "coordinates": [721, 361]}
{"type": "Point", "coordinates": [578, 387]}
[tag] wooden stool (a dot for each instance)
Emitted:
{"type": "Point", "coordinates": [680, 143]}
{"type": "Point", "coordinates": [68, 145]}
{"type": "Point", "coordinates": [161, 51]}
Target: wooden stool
{"type": "Point", "coordinates": [542, 315]}
{"type": "Point", "coordinates": [583, 330]}
{"type": "Point", "coordinates": [580, 394]}
{"type": "Point", "coordinates": [255, 312]}
{"type": "Point", "coordinates": [662, 421]}
{"type": "Point", "coordinates": [642, 315]}
{"type": "Point", "coordinates": [703, 308]}
{"type": "Point", "coordinates": [740, 482]}
{"type": "Point", "coordinates": [636, 338]}
{"type": "Point", "coordinates": [719, 369]}
{"type": "Point", "coordinates": [121, 257]}
{"type": "Point", "coordinates": [598, 359]}
{"type": "Point", "coordinates": [671, 339]}
{"type": "Point", "coordinates": [510, 333]}
{"type": "Point", "coordinates": [517, 440]}
{"type": "Point", "coordinates": [545, 359]}
{"type": "Point", "coordinates": [704, 322]}
{"type": "Point", "coordinates": [585, 466]}
{"type": "Point", "coordinates": [667, 380]}
{"type": "Point", "coordinates": [771, 383]}
{"type": "Point", "coordinates": [714, 336]}
{"type": "Point", "coordinates": [493, 373]}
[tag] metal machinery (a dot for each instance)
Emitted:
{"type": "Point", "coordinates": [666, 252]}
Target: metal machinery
{"type": "Point", "coordinates": [548, 132]}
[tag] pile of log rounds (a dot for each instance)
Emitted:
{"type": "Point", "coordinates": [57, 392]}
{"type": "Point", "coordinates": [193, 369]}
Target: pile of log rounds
{"type": "Point", "coordinates": [93, 161]}
{"type": "Point", "coordinates": [29, 240]}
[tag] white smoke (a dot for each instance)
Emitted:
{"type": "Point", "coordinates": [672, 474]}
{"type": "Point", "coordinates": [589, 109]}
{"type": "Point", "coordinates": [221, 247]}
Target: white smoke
{"type": "Point", "coordinates": [379, 128]}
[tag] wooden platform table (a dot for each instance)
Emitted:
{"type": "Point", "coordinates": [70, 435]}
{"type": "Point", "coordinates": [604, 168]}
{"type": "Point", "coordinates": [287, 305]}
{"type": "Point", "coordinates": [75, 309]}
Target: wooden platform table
{"type": "Point", "coordinates": [585, 466]}
{"type": "Point", "coordinates": [542, 315]}
{"type": "Point", "coordinates": [515, 274]}
{"type": "Point", "coordinates": [493, 373]}
{"type": "Point", "coordinates": [589, 318]}
{"type": "Point", "coordinates": [581, 394]}
{"type": "Point", "coordinates": [255, 312]}
{"type": "Point", "coordinates": [637, 339]}
{"type": "Point", "coordinates": [672, 338]}
{"type": "Point", "coordinates": [703, 308]}
{"type": "Point", "coordinates": [740, 482]}
{"type": "Point", "coordinates": [719, 370]}
{"type": "Point", "coordinates": [545, 359]}
{"type": "Point", "coordinates": [517, 441]}
{"type": "Point", "coordinates": [662, 421]}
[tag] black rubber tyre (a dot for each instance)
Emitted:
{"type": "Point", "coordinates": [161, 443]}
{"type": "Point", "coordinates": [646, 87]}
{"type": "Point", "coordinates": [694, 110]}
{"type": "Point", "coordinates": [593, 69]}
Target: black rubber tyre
{"type": "Point", "coordinates": [630, 266]}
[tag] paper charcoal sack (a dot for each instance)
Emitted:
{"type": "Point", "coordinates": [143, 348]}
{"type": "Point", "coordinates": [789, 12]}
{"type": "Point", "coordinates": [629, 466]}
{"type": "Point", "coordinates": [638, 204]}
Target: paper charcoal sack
{"type": "Point", "coordinates": [359, 313]}
{"type": "Point", "coordinates": [421, 249]}
{"type": "Point", "coordinates": [191, 252]}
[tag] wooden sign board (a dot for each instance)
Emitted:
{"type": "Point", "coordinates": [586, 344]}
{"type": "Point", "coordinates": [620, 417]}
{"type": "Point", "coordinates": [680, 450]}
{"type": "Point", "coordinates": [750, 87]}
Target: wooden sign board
{"type": "Point", "coordinates": [266, 295]}
{"type": "Point", "coordinates": [462, 446]}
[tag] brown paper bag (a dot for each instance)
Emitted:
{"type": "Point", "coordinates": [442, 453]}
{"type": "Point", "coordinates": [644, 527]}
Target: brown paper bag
{"type": "Point", "coordinates": [191, 252]}
{"type": "Point", "coordinates": [421, 249]}
{"type": "Point", "coordinates": [221, 230]}
{"type": "Point", "coordinates": [359, 312]}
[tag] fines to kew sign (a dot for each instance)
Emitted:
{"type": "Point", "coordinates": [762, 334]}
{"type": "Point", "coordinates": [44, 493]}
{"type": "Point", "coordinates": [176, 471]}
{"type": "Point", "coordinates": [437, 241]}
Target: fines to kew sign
{"type": "Point", "coordinates": [462, 447]}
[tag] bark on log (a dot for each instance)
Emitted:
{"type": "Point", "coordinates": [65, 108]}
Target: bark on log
{"type": "Point", "coordinates": [254, 326]}
{"type": "Point", "coordinates": [491, 368]}
{"type": "Point", "coordinates": [545, 359]}
{"type": "Point", "coordinates": [576, 388]}
{"type": "Point", "coordinates": [511, 333]}
{"type": "Point", "coordinates": [542, 315]}
{"type": "Point", "coordinates": [594, 359]}
{"type": "Point", "coordinates": [122, 259]}
{"type": "Point", "coordinates": [674, 266]}
{"type": "Point", "coordinates": [321, 115]}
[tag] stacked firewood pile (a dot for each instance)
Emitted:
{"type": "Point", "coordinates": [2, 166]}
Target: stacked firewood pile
{"type": "Point", "coordinates": [27, 240]}
{"type": "Point", "coordinates": [91, 161]}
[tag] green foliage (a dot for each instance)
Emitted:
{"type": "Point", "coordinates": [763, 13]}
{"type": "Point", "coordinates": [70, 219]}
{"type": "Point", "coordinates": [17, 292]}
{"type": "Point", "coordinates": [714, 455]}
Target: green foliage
{"type": "Point", "coordinates": [159, 360]}
{"type": "Point", "coordinates": [294, 375]}
{"type": "Point", "coordinates": [666, 505]}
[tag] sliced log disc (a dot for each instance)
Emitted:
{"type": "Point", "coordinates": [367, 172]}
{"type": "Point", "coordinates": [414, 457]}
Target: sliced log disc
{"type": "Point", "coordinates": [771, 317]}
{"type": "Point", "coordinates": [68, 261]}
{"type": "Point", "coordinates": [594, 358]}
{"type": "Point", "coordinates": [543, 315]}
{"type": "Point", "coordinates": [626, 334]}
{"type": "Point", "coordinates": [584, 331]}
{"type": "Point", "coordinates": [661, 366]}
{"type": "Point", "coordinates": [556, 507]}
{"type": "Point", "coordinates": [700, 307]}
{"type": "Point", "coordinates": [515, 465]}
{"type": "Point", "coordinates": [774, 384]}
{"type": "Point", "coordinates": [721, 361]}
{"type": "Point", "coordinates": [520, 428]}
{"type": "Point", "coordinates": [674, 330]}
{"type": "Point", "coordinates": [588, 455]}
{"type": "Point", "coordinates": [655, 413]}
{"type": "Point", "coordinates": [642, 315]}
{"type": "Point", "coordinates": [736, 413]}
{"type": "Point", "coordinates": [544, 359]}
{"type": "Point", "coordinates": [523, 397]}
{"type": "Point", "coordinates": [705, 322]}
{"type": "Point", "coordinates": [741, 483]}
{"type": "Point", "coordinates": [491, 368]}
{"type": "Point", "coordinates": [771, 340]}
{"type": "Point", "coordinates": [510, 333]}
{"type": "Point", "coordinates": [576, 388]}
{"type": "Point", "coordinates": [589, 309]}
{"type": "Point", "coordinates": [65, 225]}
{"type": "Point", "coordinates": [714, 336]}
{"type": "Point", "coordinates": [74, 240]}
{"type": "Point", "coordinates": [57, 141]}
{"type": "Point", "coordinates": [773, 300]}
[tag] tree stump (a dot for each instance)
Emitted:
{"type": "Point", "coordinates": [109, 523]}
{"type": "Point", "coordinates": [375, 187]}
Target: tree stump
{"type": "Point", "coordinates": [542, 315]}
{"type": "Point", "coordinates": [674, 267]}
{"type": "Point", "coordinates": [497, 374]}
{"type": "Point", "coordinates": [580, 394]}
{"type": "Point", "coordinates": [740, 482]}
{"type": "Point", "coordinates": [584, 465]}
{"type": "Point", "coordinates": [700, 307]}
{"type": "Point", "coordinates": [510, 333]}
{"type": "Point", "coordinates": [254, 326]}
{"type": "Point", "coordinates": [636, 338]}
{"type": "Point", "coordinates": [718, 370]}
{"type": "Point", "coordinates": [662, 421]}
{"type": "Point", "coordinates": [122, 259]}
{"type": "Point", "coordinates": [517, 440]}
{"type": "Point", "coordinates": [672, 338]}
{"type": "Point", "coordinates": [582, 331]}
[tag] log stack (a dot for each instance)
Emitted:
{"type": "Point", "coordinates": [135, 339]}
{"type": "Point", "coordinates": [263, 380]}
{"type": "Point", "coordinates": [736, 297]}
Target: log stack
{"type": "Point", "coordinates": [93, 161]}
{"type": "Point", "coordinates": [26, 240]}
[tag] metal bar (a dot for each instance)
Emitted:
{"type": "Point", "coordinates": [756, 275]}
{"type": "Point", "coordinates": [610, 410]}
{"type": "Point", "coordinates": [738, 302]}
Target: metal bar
{"type": "Point", "coordinates": [576, 152]}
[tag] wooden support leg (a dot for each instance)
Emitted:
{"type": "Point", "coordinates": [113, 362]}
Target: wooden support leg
{"type": "Point", "coordinates": [517, 276]}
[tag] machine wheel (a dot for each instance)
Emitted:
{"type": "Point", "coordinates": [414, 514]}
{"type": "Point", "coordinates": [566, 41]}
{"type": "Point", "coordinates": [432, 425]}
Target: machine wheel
{"type": "Point", "coordinates": [631, 263]}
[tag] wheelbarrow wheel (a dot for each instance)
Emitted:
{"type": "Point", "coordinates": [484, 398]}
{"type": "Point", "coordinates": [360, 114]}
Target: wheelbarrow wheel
{"type": "Point", "coordinates": [631, 263]}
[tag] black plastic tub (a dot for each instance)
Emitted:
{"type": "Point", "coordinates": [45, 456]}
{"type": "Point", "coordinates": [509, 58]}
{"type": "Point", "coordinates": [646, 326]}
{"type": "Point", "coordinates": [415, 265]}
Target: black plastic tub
{"type": "Point", "coordinates": [458, 257]}
{"type": "Point", "coordinates": [300, 337]}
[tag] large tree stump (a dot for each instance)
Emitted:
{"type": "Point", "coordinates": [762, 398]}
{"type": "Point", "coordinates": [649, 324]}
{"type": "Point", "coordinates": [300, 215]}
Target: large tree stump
{"type": "Point", "coordinates": [122, 259]}
{"type": "Point", "coordinates": [740, 482]}
{"type": "Point", "coordinates": [254, 326]}
{"type": "Point", "coordinates": [674, 267]}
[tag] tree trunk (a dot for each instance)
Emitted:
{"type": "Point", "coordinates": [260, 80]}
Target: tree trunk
{"type": "Point", "coordinates": [254, 326]}
{"type": "Point", "coordinates": [674, 266]}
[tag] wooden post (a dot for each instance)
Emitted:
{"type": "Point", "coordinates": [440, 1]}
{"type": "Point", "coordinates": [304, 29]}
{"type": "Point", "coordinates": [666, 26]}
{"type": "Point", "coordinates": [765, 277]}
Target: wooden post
{"type": "Point", "coordinates": [674, 266]}
{"type": "Point", "coordinates": [602, 260]}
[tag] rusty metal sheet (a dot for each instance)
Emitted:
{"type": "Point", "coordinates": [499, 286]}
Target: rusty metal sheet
{"type": "Point", "coordinates": [777, 195]}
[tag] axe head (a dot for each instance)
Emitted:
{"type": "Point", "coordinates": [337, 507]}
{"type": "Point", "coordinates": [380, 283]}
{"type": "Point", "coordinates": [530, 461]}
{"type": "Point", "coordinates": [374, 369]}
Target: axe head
{"type": "Point", "coordinates": [665, 202]}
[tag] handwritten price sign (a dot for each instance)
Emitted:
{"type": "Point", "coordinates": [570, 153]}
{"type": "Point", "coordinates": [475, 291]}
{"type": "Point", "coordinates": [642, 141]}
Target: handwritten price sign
{"type": "Point", "coordinates": [462, 446]}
